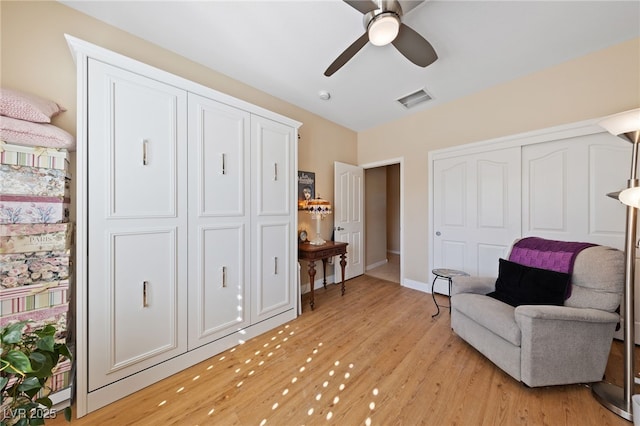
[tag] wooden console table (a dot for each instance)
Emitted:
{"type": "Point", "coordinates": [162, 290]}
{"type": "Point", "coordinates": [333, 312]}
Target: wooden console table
{"type": "Point", "coordinates": [311, 253]}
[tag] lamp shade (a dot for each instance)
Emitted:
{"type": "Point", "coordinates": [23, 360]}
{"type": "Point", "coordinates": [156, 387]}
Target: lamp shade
{"type": "Point", "coordinates": [630, 197]}
{"type": "Point", "coordinates": [624, 122]}
{"type": "Point", "coordinates": [383, 29]}
{"type": "Point", "coordinates": [319, 206]}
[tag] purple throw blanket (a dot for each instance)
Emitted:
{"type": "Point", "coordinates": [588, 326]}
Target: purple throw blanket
{"type": "Point", "coordinates": [553, 255]}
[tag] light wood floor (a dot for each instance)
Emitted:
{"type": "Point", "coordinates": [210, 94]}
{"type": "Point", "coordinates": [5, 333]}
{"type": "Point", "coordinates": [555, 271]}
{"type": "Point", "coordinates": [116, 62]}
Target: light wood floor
{"type": "Point", "coordinates": [372, 357]}
{"type": "Point", "coordinates": [390, 271]}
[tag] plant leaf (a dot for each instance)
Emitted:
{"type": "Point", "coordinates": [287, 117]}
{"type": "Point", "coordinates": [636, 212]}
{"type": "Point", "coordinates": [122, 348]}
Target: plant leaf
{"type": "Point", "coordinates": [67, 414]}
{"type": "Point", "coordinates": [3, 383]}
{"type": "Point", "coordinates": [29, 383]}
{"type": "Point", "coordinates": [46, 343]}
{"type": "Point", "coordinates": [63, 350]}
{"type": "Point", "coordinates": [46, 401]}
{"type": "Point", "coordinates": [47, 330]}
{"type": "Point", "coordinates": [41, 364]}
{"type": "Point", "coordinates": [19, 362]}
{"type": "Point", "coordinates": [13, 333]}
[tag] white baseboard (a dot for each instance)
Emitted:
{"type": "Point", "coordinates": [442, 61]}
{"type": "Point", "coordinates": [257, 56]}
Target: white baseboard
{"type": "Point", "coordinates": [375, 265]}
{"type": "Point", "coordinates": [306, 288]}
{"type": "Point", "coordinates": [417, 285]}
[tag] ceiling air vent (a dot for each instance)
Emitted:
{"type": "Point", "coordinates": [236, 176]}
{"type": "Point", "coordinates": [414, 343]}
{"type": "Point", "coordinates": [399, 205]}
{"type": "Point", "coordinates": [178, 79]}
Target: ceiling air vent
{"type": "Point", "coordinates": [414, 99]}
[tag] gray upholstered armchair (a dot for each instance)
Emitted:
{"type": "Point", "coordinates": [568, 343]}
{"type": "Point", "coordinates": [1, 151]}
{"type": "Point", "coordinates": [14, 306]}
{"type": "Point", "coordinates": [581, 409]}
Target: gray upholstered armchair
{"type": "Point", "coordinates": [544, 345]}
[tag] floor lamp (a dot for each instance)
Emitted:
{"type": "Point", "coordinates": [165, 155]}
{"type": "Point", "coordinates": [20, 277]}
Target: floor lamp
{"type": "Point", "coordinates": [617, 399]}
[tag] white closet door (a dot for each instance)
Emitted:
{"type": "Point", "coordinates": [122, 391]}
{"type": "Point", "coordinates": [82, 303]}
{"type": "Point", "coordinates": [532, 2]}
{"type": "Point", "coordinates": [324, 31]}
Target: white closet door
{"type": "Point", "coordinates": [476, 210]}
{"type": "Point", "coordinates": [565, 183]}
{"type": "Point", "coordinates": [137, 235]}
{"type": "Point", "coordinates": [273, 208]}
{"type": "Point", "coordinates": [219, 241]}
{"type": "Point", "coordinates": [273, 291]}
{"type": "Point", "coordinates": [273, 176]}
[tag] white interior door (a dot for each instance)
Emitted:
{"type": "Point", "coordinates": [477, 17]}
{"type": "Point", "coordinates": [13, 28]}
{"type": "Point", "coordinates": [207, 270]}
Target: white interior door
{"type": "Point", "coordinates": [348, 215]}
{"type": "Point", "coordinates": [476, 212]}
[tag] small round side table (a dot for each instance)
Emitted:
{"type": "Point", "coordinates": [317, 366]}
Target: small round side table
{"type": "Point", "coordinates": [444, 274]}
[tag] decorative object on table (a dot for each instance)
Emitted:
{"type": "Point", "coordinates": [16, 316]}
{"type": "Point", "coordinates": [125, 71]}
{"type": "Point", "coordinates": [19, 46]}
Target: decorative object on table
{"type": "Point", "coordinates": [302, 236]}
{"type": "Point", "coordinates": [28, 362]}
{"type": "Point", "coordinates": [318, 209]}
{"type": "Point", "coordinates": [306, 188]}
{"type": "Point", "coordinates": [617, 399]}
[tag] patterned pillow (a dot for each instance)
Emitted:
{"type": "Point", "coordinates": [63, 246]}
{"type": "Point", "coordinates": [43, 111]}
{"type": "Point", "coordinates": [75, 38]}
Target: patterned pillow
{"type": "Point", "coordinates": [25, 106]}
{"type": "Point", "coordinates": [22, 132]}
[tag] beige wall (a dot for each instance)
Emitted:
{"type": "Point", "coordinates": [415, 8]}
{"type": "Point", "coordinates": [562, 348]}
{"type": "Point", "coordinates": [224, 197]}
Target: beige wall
{"type": "Point", "coordinates": [35, 58]}
{"type": "Point", "coordinates": [393, 208]}
{"type": "Point", "coordinates": [595, 85]}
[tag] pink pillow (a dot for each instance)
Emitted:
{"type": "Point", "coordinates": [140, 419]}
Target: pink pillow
{"type": "Point", "coordinates": [22, 132]}
{"type": "Point", "coordinates": [25, 106]}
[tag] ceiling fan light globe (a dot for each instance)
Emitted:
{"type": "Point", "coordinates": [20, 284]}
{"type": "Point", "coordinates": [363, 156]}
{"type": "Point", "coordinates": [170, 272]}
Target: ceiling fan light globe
{"type": "Point", "coordinates": [383, 29]}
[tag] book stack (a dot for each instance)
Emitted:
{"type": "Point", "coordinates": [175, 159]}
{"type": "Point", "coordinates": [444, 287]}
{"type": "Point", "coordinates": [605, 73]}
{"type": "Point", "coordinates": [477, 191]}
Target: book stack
{"type": "Point", "coordinates": [35, 231]}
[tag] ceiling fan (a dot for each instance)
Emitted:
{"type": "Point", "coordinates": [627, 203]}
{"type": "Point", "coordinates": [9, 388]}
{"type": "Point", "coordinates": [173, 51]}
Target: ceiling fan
{"type": "Point", "coordinates": [383, 24]}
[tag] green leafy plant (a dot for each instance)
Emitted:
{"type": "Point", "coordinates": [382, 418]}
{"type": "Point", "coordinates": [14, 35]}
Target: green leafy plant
{"type": "Point", "coordinates": [27, 362]}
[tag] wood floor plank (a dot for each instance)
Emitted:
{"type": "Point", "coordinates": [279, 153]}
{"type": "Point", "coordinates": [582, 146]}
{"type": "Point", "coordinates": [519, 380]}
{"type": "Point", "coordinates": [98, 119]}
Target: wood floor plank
{"type": "Point", "coordinates": [374, 356]}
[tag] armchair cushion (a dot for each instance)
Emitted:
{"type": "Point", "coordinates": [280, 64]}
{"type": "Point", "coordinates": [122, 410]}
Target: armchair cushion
{"type": "Point", "coordinates": [525, 285]}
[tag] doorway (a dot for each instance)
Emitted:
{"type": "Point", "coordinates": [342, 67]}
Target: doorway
{"type": "Point", "coordinates": [383, 242]}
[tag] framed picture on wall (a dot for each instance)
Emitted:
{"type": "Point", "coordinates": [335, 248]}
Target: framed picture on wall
{"type": "Point", "coordinates": [306, 188]}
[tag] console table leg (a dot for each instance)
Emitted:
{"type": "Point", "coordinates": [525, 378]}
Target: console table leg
{"type": "Point", "coordinates": [324, 273]}
{"type": "Point", "coordinates": [343, 263]}
{"type": "Point", "coordinates": [312, 278]}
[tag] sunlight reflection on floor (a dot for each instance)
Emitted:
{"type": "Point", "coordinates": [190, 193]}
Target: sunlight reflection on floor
{"type": "Point", "coordinates": [326, 399]}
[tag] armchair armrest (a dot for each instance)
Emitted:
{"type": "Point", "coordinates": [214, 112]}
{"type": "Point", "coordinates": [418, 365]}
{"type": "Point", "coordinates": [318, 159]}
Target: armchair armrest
{"type": "Point", "coordinates": [477, 285]}
{"type": "Point", "coordinates": [563, 313]}
{"type": "Point", "coordinates": [561, 344]}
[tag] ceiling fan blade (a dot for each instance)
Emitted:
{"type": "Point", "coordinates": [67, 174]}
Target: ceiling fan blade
{"type": "Point", "coordinates": [414, 47]}
{"type": "Point", "coordinates": [363, 6]}
{"type": "Point", "coordinates": [347, 54]}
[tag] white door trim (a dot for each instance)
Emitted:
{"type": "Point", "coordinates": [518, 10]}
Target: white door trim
{"type": "Point", "coordinates": [389, 162]}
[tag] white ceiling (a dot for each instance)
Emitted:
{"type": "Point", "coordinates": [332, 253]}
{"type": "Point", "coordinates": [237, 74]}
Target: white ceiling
{"type": "Point", "coordinates": [284, 47]}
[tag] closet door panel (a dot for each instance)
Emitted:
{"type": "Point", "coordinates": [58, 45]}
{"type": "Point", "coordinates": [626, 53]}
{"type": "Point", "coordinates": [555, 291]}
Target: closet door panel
{"type": "Point", "coordinates": [219, 217]}
{"type": "Point", "coordinates": [272, 290]}
{"type": "Point", "coordinates": [272, 147]}
{"type": "Point", "coordinates": [548, 191]}
{"type": "Point", "coordinates": [136, 292]}
{"type": "Point", "coordinates": [476, 210]}
{"type": "Point", "coordinates": [139, 325]}
{"type": "Point", "coordinates": [219, 281]}
{"type": "Point", "coordinates": [142, 148]}
{"type": "Point", "coordinates": [565, 183]}
{"type": "Point", "coordinates": [606, 213]}
{"type": "Point", "coordinates": [219, 152]}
